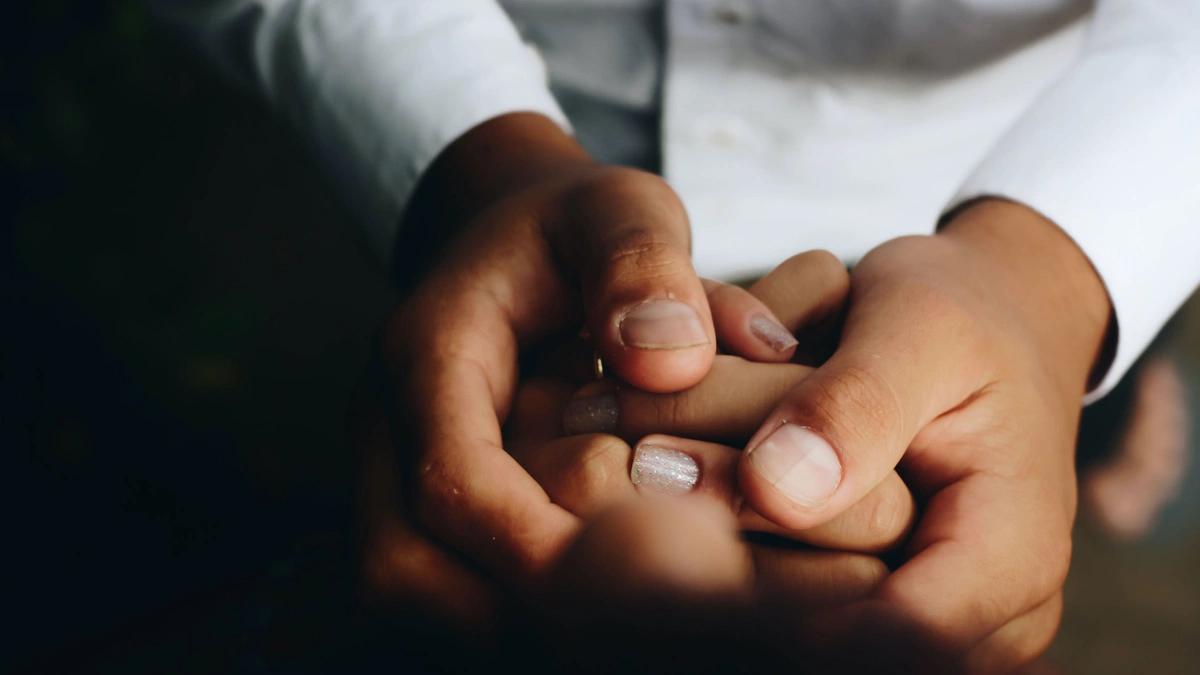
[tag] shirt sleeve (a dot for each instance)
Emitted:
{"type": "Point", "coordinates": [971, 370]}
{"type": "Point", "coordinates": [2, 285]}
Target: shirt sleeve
{"type": "Point", "coordinates": [1111, 153]}
{"type": "Point", "coordinates": [380, 87]}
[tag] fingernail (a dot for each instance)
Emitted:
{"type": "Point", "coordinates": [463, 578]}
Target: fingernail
{"type": "Point", "coordinates": [664, 470]}
{"type": "Point", "coordinates": [591, 414]}
{"type": "Point", "coordinates": [662, 324]}
{"type": "Point", "coordinates": [799, 463]}
{"type": "Point", "coordinates": [771, 333]}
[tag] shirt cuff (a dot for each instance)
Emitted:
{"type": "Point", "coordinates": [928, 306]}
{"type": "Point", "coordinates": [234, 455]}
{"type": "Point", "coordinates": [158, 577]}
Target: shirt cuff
{"type": "Point", "coordinates": [383, 87]}
{"type": "Point", "coordinates": [1111, 154]}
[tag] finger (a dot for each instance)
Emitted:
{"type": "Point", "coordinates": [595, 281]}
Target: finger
{"type": "Point", "coordinates": [1018, 642]}
{"type": "Point", "coordinates": [746, 327]}
{"type": "Point", "coordinates": [628, 236]}
{"type": "Point", "coordinates": [974, 569]}
{"type": "Point", "coordinates": [474, 494]}
{"type": "Point", "coordinates": [804, 289]}
{"type": "Point", "coordinates": [810, 579]}
{"type": "Point", "coordinates": [401, 567]}
{"type": "Point", "coordinates": [807, 293]}
{"type": "Point", "coordinates": [656, 579]}
{"type": "Point", "coordinates": [652, 548]}
{"type": "Point", "coordinates": [537, 411]}
{"type": "Point", "coordinates": [842, 429]}
{"type": "Point", "coordinates": [877, 523]}
{"type": "Point", "coordinates": [662, 584]}
{"type": "Point", "coordinates": [591, 473]}
{"type": "Point", "coordinates": [729, 404]}
{"type": "Point", "coordinates": [582, 474]}
{"type": "Point", "coordinates": [457, 372]}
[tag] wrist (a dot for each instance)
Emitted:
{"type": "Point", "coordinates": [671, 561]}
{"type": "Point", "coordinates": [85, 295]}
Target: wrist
{"type": "Point", "coordinates": [1047, 281]}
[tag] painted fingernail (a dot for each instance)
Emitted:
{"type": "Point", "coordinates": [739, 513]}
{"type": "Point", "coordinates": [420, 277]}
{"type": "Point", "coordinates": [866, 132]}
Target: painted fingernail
{"type": "Point", "coordinates": [771, 333]}
{"type": "Point", "coordinates": [799, 463]}
{"type": "Point", "coordinates": [662, 324]}
{"type": "Point", "coordinates": [664, 470]}
{"type": "Point", "coordinates": [591, 414]}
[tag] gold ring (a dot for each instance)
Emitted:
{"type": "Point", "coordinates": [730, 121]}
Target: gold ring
{"type": "Point", "coordinates": [597, 366]}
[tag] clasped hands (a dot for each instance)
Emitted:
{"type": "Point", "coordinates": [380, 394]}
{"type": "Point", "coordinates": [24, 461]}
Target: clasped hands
{"type": "Point", "coordinates": [959, 366]}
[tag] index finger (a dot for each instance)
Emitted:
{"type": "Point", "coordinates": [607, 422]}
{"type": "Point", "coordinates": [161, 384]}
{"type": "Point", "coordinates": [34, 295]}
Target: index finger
{"type": "Point", "coordinates": [457, 369]}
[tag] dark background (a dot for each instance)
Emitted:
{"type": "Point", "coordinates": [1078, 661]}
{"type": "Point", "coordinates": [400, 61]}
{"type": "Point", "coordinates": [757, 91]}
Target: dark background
{"type": "Point", "coordinates": [187, 308]}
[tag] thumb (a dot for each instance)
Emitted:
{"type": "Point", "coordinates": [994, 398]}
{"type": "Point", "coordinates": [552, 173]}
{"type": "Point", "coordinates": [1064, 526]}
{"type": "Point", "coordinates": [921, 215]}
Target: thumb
{"type": "Point", "coordinates": [628, 236]}
{"type": "Point", "coordinates": [842, 430]}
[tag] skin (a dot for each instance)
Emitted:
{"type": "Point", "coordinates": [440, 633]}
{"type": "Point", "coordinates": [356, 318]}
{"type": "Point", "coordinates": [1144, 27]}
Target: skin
{"type": "Point", "coordinates": [588, 475]}
{"type": "Point", "coordinates": [543, 240]}
{"type": "Point", "coordinates": [702, 566]}
{"type": "Point", "coordinates": [700, 559]}
{"type": "Point", "coordinates": [962, 363]}
{"type": "Point", "coordinates": [546, 240]}
{"type": "Point", "coordinates": [963, 354]}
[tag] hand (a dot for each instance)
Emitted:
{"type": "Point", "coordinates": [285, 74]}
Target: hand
{"type": "Point", "coordinates": [406, 571]}
{"type": "Point", "coordinates": [806, 296]}
{"type": "Point", "coordinates": [963, 361]}
{"type": "Point", "coordinates": [591, 473]}
{"type": "Point", "coordinates": [547, 237]}
{"type": "Point", "coordinates": [548, 241]}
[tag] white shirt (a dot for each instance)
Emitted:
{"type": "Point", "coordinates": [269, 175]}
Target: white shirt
{"type": "Point", "coordinates": [784, 125]}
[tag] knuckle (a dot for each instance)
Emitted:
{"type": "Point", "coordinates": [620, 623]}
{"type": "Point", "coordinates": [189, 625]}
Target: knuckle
{"type": "Point", "coordinates": [887, 518]}
{"type": "Point", "coordinates": [856, 399]}
{"type": "Point", "coordinates": [1019, 642]}
{"type": "Point", "coordinates": [602, 467]}
{"type": "Point", "coordinates": [644, 253]}
{"type": "Point", "coordinates": [674, 411]}
{"type": "Point", "coordinates": [1047, 559]}
{"type": "Point", "coordinates": [866, 571]}
{"type": "Point", "coordinates": [1038, 638]}
{"type": "Point", "coordinates": [728, 295]}
{"type": "Point", "coordinates": [437, 496]}
{"type": "Point", "coordinates": [1054, 615]}
{"type": "Point", "coordinates": [1055, 562]}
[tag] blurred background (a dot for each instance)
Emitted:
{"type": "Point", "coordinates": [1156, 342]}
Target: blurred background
{"type": "Point", "coordinates": [187, 310]}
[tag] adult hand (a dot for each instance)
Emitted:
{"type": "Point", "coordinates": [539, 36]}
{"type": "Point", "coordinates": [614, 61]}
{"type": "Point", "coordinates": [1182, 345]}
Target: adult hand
{"type": "Point", "coordinates": [963, 360]}
{"type": "Point", "coordinates": [549, 241]}
{"type": "Point", "coordinates": [547, 236]}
